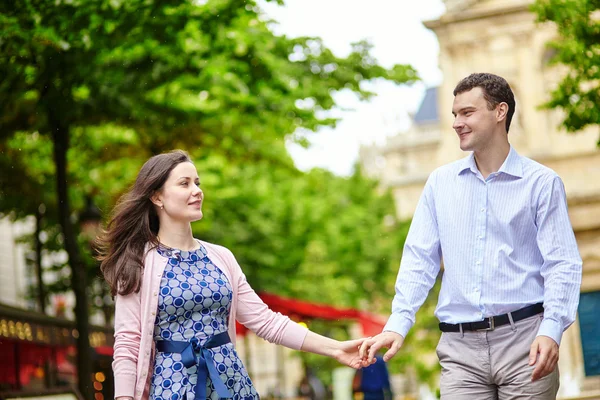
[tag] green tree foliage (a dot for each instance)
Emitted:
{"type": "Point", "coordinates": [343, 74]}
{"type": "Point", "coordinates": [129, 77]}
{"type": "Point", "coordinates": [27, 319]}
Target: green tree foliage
{"type": "Point", "coordinates": [312, 236]}
{"type": "Point", "coordinates": [119, 81]}
{"type": "Point", "coordinates": [211, 75]}
{"type": "Point", "coordinates": [92, 88]}
{"type": "Point", "coordinates": [577, 47]}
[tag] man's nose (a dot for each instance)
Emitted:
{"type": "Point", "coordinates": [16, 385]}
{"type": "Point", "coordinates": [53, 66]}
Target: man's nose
{"type": "Point", "coordinates": [458, 124]}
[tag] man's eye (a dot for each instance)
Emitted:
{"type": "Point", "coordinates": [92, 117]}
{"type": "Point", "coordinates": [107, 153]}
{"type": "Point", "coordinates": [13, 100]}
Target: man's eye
{"type": "Point", "coordinates": [184, 183]}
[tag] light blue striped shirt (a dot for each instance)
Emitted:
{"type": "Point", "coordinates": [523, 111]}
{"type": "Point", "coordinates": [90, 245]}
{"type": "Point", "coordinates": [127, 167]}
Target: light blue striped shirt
{"type": "Point", "coordinates": [506, 243]}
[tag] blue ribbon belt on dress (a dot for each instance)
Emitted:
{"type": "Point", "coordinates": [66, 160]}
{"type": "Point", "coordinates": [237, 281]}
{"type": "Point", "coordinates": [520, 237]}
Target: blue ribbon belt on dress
{"type": "Point", "coordinates": [192, 353]}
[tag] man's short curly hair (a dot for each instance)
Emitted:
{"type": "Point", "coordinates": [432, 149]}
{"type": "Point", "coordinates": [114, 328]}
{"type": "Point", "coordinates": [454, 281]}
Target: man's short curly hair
{"type": "Point", "coordinates": [495, 91]}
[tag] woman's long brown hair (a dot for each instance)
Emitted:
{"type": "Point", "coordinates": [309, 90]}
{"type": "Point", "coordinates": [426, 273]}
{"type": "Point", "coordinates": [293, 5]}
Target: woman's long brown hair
{"type": "Point", "coordinates": [134, 223]}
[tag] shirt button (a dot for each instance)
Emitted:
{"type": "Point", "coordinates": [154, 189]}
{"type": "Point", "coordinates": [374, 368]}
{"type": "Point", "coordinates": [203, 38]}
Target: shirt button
{"type": "Point", "coordinates": [156, 294]}
{"type": "Point", "coordinates": [153, 313]}
{"type": "Point", "coordinates": [483, 209]}
{"type": "Point", "coordinates": [478, 263]}
{"type": "Point", "coordinates": [480, 237]}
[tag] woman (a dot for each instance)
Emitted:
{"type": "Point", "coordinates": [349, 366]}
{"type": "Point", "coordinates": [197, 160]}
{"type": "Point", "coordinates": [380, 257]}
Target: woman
{"type": "Point", "coordinates": [177, 298]}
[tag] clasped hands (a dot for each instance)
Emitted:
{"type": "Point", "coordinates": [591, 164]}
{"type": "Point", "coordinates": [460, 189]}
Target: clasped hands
{"type": "Point", "coordinates": [361, 353]}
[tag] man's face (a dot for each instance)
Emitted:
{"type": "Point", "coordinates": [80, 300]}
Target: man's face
{"type": "Point", "coordinates": [474, 123]}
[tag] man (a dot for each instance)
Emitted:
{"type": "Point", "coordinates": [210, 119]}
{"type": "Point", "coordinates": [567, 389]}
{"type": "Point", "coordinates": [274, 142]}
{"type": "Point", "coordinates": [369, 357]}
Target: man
{"type": "Point", "coordinates": [512, 270]}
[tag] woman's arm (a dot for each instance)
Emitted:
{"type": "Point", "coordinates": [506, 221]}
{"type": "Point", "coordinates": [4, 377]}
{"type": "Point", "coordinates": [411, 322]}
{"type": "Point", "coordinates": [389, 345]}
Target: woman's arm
{"type": "Point", "coordinates": [276, 328]}
{"type": "Point", "coordinates": [344, 352]}
{"type": "Point", "coordinates": [127, 344]}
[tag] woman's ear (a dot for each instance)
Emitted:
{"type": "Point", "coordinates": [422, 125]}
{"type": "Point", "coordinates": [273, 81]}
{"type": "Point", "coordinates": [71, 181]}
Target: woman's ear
{"type": "Point", "coordinates": [156, 199]}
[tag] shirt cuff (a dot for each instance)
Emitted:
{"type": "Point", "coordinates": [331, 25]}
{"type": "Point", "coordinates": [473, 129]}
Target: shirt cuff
{"type": "Point", "coordinates": [124, 385]}
{"type": "Point", "coordinates": [399, 324]}
{"type": "Point", "coordinates": [552, 329]}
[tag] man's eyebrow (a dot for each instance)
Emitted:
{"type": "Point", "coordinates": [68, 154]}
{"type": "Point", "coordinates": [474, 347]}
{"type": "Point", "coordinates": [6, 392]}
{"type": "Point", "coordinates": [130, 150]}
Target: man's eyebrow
{"type": "Point", "coordinates": [463, 109]}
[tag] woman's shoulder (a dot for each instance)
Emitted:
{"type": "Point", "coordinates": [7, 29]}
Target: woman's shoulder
{"type": "Point", "coordinates": [221, 252]}
{"type": "Point", "coordinates": [215, 248]}
{"type": "Point", "coordinates": [223, 257]}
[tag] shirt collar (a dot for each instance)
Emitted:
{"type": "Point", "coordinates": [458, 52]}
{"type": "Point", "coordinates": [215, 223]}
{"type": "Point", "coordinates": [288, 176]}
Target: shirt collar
{"type": "Point", "coordinates": [468, 163]}
{"type": "Point", "coordinates": [511, 166]}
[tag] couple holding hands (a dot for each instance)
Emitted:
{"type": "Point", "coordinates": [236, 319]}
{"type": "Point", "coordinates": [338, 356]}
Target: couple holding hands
{"type": "Point", "coordinates": [499, 220]}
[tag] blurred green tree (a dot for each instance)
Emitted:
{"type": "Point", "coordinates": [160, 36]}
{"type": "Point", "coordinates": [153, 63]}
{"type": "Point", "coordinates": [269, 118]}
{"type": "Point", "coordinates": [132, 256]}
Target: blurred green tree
{"type": "Point", "coordinates": [187, 74]}
{"type": "Point", "coordinates": [313, 236]}
{"type": "Point", "coordinates": [576, 47]}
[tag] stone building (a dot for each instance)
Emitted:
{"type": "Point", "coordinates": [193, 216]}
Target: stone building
{"type": "Point", "coordinates": [502, 37]}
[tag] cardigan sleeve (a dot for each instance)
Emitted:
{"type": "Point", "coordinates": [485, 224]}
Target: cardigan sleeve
{"type": "Point", "coordinates": [127, 343]}
{"type": "Point", "coordinates": [254, 314]}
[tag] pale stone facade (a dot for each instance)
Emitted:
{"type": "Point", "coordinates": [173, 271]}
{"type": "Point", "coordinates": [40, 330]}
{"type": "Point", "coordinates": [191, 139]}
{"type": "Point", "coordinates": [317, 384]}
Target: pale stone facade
{"type": "Point", "coordinates": [501, 37]}
{"type": "Point", "coordinates": [17, 272]}
{"type": "Point", "coordinates": [13, 271]}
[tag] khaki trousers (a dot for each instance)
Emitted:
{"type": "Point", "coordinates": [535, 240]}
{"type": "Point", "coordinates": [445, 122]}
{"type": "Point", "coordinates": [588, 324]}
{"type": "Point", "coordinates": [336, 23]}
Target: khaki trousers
{"type": "Point", "coordinates": [493, 365]}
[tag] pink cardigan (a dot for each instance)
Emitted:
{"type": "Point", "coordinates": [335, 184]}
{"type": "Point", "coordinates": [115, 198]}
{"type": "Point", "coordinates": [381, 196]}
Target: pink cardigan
{"type": "Point", "coordinates": [135, 315]}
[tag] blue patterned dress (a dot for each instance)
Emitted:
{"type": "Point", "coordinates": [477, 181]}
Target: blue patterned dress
{"type": "Point", "coordinates": [194, 301]}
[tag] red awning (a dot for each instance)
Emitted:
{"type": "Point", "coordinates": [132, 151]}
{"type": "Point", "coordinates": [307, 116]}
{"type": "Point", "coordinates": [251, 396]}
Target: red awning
{"type": "Point", "coordinates": [104, 350]}
{"type": "Point", "coordinates": [302, 310]}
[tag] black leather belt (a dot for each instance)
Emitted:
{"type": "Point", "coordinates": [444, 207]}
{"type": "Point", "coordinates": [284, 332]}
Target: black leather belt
{"type": "Point", "coordinates": [488, 324]}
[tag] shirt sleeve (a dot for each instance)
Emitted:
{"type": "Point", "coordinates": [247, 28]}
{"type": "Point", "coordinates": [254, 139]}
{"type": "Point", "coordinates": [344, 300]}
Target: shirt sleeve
{"type": "Point", "coordinates": [562, 265]}
{"type": "Point", "coordinates": [420, 264]}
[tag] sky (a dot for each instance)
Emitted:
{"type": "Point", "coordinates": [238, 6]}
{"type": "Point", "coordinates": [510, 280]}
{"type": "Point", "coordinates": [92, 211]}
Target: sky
{"type": "Point", "coordinates": [395, 29]}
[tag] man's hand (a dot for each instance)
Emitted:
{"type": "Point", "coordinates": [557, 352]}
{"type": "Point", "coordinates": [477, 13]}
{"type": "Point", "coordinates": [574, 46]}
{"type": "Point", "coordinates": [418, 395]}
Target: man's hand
{"type": "Point", "coordinates": [391, 340]}
{"type": "Point", "coordinates": [347, 353]}
{"type": "Point", "coordinates": [547, 349]}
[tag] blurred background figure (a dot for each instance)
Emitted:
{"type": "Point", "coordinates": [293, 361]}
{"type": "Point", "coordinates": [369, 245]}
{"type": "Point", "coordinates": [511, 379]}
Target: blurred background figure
{"type": "Point", "coordinates": [373, 382]}
{"type": "Point", "coordinates": [311, 386]}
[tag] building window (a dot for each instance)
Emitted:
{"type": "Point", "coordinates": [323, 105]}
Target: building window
{"type": "Point", "coordinates": [589, 324]}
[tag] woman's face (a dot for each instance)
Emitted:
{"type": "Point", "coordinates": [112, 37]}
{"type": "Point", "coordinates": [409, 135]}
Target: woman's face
{"type": "Point", "coordinates": [180, 198]}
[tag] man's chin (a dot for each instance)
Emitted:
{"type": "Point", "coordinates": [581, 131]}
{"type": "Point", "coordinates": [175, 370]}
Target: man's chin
{"type": "Point", "coordinates": [465, 147]}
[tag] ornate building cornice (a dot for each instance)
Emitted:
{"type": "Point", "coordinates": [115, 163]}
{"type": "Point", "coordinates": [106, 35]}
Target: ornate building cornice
{"type": "Point", "coordinates": [467, 10]}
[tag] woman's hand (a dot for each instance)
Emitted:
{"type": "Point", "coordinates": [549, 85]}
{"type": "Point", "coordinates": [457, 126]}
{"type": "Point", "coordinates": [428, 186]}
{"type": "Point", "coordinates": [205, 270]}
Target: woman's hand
{"type": "Point", "coordinates": [347, 353]}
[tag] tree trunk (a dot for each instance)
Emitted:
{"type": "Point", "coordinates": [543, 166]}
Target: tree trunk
{"type": "Point", "coordinates": [41, 292]}
{"type": "Point", "coordinates": [107, 309]}
{"type": "Point", "coordinates": [60, 135]}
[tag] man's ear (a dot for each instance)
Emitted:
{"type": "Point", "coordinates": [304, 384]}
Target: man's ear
{"type": "Point", "coordinates": [502, 111]}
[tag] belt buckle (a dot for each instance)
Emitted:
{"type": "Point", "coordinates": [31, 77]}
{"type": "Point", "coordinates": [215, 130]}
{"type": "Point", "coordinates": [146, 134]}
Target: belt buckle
{"type": "Point", "coordinates": [490, 326]}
